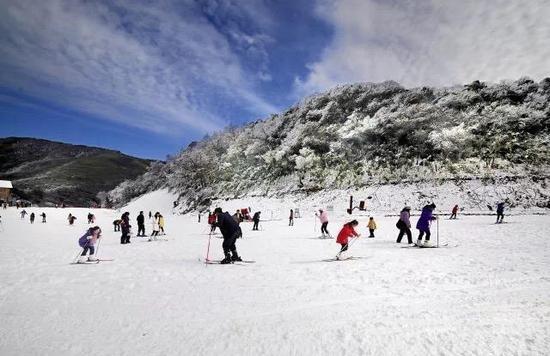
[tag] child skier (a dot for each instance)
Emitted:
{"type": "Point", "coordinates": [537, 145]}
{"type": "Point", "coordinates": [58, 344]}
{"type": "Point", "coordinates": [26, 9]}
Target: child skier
{"type": "Point", "coordinates": [87, 242]}
{"type": "Point", "coordinates": [32, 218]}
{"type": "Point", "coordinates": [43, 215]}
{"type": "Point", "coordinates": [372, 226]}
{"type": "Point", "coordinates": [346, 232]}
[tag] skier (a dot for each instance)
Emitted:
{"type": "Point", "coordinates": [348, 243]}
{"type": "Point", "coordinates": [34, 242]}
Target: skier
{"type": "Point", "coordinates": [404, 225]}
{"type": "Point", "coordinates": [87, 242]}
{"type": "Point", "coordinates": [256, 220]}
{"type": "Point", "coordinates": [212, 222]}
{"type": "Point", "coordinates": [500, 212]}
{"type": "Point", "coordinates": [342, 238]}
{"type": "Point", "coordinates": [71, 219]}
{"type": "Point", "coordinates": [199, 218]}
{"type": "Point", "coordinates": [454, 212]}
{"type": "Point", "coordinates": [237, 217]}
{"type": "Point", "coordinates": [91, 218]}
{"type": "Point", "coordinates": [291, 218]}
{"type": "Point", "coordinates": [32, 218]}
{"type": "Point", "coordinates": [372, 226]}
{"type": "Point", "coordinates": [150, 215]}
{"type": "Point", "coordinates": [156, 226]}
{"type": "Point", "coordinates": [125, 227]}
{"type": "Point", "coordinates": [141, 224]}
{"type": "Point", "coordinates": [323, 217]}
{"type": "Point", "coordinates": [23, 213]}
{"type": "Point", "coordinates": [116, 224]}
{"type": "Point", "coordinates": [161, 223]}
{"type": "Point", "coordinates": [230, 231]}
{"type": "Point", "coordinates": [43, 215]}
{"type": "Point", "coordinates": [423, 224]}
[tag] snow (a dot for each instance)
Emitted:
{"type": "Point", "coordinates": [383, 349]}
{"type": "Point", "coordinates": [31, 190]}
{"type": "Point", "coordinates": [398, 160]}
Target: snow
{"type": "Point", "coordinates": [486, 296]}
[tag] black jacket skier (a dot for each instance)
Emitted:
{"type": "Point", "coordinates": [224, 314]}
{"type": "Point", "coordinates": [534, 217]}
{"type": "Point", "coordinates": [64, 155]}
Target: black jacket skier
{"type": "Point", "coordinates": [141, 224]}
{"type": "Point", "coordinates": [230, 231]}
{"type": "Point", "coordinates": [125, 227]}
{"type": "Point", "coordinates": [256, 219]}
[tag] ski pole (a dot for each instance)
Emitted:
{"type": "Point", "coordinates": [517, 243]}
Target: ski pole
{"type": "Point", "coordinates": [97, 248]}
{"type": "Point", "coordinates": [208, 248]}
{"type": "Point", "coordinates": [437, 229]}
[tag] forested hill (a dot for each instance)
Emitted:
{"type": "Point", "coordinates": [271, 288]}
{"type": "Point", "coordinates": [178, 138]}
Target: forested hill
{"type": "Point", "coordinates": [367, 134]}
{"type": "Point", "coordinates": [46, 172]}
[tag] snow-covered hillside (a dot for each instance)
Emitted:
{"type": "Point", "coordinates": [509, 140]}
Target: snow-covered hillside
{"type": "Point", "coordinates": [370, 136]}
{"type": "Point", "coordinates": [487, 294]}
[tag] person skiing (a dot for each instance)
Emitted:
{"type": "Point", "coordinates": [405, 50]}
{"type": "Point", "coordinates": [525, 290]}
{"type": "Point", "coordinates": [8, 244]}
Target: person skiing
{"type": "Point", "coordinates": [125, 228]}
{"type": "Point", "coordinates": [323, 217]}
{"type": "Point", "coordinates": [150, 215]}
{"type": "Point", "coordinates": [43, 215]}
{"type": "Point", "coordinates": [116, 224]}
{"type": "Point", "coordinates": [346, 232]}
{"type": "Point", "coordinates": [87, 242]}
{"type": "Point", "coordinates": [212, 222]}
{"type": "Point", "coordinates": [256, 220]}
{"type": "Point", "coordinates": [32, 218]}
{"type": "Point", "coordinates": [404, 225]}
{"type": "Point", "coordinates": [372, 226]}
{"type": "Point", "coordinates": [454, 212]}
{"type": "Point", "coordinates": [23, 213]}
{"type": "Point", "coordinates": [230, 232]}
{"type": "Point", "coordinates": [423, 224]}
{"type": "Point", "coordinates": [156, 226]}
{"type": "Point", "coordinates": [500, 212]}
{"type": "Point", "coordinates": [161, 224]}
{"type": "Point", "coordinates": [291, 218]}
{"type": "Point", "coordinates": [141, 224]}
{"type": "Point", "coordinates": [91, 218]}
{"type": "Point", "coordinates": [71, 219]}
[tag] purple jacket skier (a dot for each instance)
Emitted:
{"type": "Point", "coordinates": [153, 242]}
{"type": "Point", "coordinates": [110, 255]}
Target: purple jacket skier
{"type": "Point", "coordinates": [87, 242]}
{"type": "Point", "coordinates": [423, 224]}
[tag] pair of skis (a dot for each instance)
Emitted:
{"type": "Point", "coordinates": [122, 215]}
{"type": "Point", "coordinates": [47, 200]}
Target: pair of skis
{"type": "Point", "coordinates": [93, 262]}
{"type": "Point", "coordinates": [218, 262]}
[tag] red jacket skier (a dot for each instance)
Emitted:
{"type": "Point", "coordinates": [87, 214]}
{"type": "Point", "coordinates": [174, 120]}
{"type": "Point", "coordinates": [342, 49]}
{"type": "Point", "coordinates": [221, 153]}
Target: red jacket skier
{"type": "Point", "coordinates": [346, 232]}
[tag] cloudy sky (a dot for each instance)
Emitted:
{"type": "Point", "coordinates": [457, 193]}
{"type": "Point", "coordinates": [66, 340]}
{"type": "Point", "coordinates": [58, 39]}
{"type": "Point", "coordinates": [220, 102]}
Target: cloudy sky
{"type": "Point", "coordinates": [148, 77]}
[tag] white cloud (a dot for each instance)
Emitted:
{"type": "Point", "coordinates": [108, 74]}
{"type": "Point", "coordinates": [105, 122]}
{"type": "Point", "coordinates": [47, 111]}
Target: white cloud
{"type": "Point", "coordinates": [439, 43]}
{"type": "Point", "coordinates": [163, 68]}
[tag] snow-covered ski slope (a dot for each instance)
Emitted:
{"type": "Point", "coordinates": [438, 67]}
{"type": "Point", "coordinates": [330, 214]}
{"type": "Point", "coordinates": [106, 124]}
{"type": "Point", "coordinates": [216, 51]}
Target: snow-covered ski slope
{"type": "Point", "coordinates": [487, 296]}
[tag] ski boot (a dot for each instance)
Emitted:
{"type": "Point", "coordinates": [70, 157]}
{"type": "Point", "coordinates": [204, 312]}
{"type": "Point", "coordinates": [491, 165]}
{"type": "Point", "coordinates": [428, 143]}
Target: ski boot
{"type": "Point", "coordinates": [419, 242]}
{"type": "Point", "coordinates": [427, 243]}
{"type": "Point", "coordinates": [82, 259]}
{"type": "Point", "coordinates": [236, 258]}
{"type": "Point", "coordinates": [226, 260]}
{"type": "Point", "coordinates": [92, 258]}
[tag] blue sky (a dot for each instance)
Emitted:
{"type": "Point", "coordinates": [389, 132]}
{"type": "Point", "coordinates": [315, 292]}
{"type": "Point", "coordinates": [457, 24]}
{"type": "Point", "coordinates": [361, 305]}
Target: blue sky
{"type": "Point", "coordinates": [148, 77]}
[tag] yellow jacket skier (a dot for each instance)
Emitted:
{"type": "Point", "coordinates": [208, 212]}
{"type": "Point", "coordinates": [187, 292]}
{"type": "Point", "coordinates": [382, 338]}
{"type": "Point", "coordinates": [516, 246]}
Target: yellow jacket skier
{"type": "Point", "coordinates": [372, 226]}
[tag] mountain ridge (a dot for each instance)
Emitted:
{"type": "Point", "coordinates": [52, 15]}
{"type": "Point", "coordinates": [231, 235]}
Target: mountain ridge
{"type": "Point", "coordinates": [51, 172]}
{"type": "Point", "coordinates": [365, 134]}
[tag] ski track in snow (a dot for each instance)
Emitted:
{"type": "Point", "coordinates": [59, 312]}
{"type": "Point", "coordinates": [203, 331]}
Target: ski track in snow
{"type": "Point", "coordinates": [487, 296]}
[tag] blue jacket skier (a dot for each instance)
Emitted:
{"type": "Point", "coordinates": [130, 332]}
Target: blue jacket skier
{"type": "Point", "coordinates": [423, 224]}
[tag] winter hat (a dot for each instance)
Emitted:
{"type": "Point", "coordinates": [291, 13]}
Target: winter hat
{"type": "Point", "coordinates": [432, 205]}
{"type": "Point", "coordinates": [217, 210]}
{"type": "Point", "coordinates": [407, 208]}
